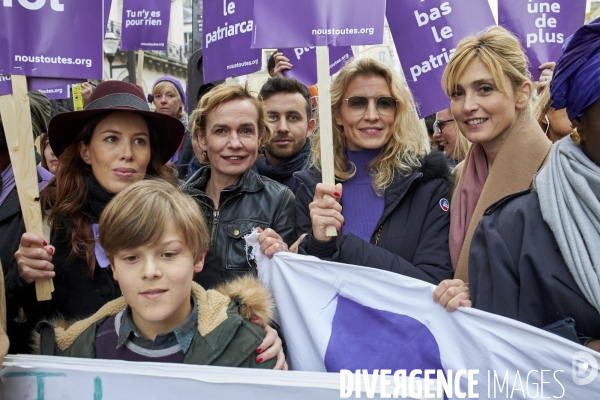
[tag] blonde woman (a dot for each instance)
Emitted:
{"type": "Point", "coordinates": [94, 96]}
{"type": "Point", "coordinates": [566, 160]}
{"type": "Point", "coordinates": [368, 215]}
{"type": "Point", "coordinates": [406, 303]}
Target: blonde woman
{"type": "Point", "coordinates": [447, 134]}
{"type": "Point", "coordinates": [391, 203]}
{"type": "Point", "coordinates": [490, 92]}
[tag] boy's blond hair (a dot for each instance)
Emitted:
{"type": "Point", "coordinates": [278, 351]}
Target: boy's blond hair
{"type": "Point", "coordinates": [138, 215]}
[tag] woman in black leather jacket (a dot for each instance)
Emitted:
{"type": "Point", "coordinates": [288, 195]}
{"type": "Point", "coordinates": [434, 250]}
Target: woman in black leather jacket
{"type": "Point", "coordinates": [230, 127]}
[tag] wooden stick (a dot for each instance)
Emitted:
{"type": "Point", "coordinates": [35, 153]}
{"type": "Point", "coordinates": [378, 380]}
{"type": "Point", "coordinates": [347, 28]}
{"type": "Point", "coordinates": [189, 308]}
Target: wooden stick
{"type": "Point", "coordinates": [325, 128]}
{"type": "Point", "coordinates": [16, 118]}
{"type": "Point", "coordinates": [140, 67]}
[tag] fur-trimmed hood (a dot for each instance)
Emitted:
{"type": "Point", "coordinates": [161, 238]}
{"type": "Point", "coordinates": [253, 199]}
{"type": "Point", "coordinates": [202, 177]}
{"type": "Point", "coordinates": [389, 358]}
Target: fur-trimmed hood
{"type": "Point", "coordinates": [253, 299]}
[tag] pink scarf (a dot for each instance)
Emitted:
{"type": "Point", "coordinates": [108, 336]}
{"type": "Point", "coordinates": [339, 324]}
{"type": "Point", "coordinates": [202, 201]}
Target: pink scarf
{"type": "Point", "coordinates": [474, 177]}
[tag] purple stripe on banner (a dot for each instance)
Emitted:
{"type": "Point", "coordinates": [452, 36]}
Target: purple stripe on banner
{"type": "Point", "coordinates": [145, 24]}
{"type": "Point", "coordinates": [366, 338]}
{"type": "Point", "coordinates": [426, 35]}
{"type": "Point", "coordinates": [100, 257]}
{"type": "Point", "coordinates": [227, 34]}
{"type": "Point", "coordinates": [542, 26]}
{"type": "Point", "coordinates": [304, 60]}
{"type": "Point", "coordinates": [292, 23]}
{"type": "Point", "coordinates": [67, 42]}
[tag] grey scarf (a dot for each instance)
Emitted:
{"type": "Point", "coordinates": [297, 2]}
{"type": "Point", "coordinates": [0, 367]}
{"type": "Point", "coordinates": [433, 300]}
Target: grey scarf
{"type": "Point", "coordinates": [569, 191]}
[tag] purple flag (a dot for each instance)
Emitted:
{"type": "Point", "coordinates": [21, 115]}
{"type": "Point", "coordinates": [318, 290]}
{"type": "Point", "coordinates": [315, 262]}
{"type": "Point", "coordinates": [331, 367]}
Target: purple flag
{"type": "Point", "coordinates": [52, 38]}
{"type": "Point", "coordinates": [145, 24]}
{"type": "Point", "coordinates": [304, 60]}
{"type": "Point", "coordinates": [426, 35]}
{"type": "Point", "coordinates": [227, 36]}
{"type": "Point", "coordinates": [294, 23]}
{"type": "Point", "coordinates": [542, 27]}
{"type": "Point", "coordinates": [5, 85]}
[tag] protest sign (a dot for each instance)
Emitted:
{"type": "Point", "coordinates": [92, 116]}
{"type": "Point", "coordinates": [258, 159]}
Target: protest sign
{"type": "Point", "coordinates": [227, 28]}
{"type": "Point", "coordinates": [338, 316]}
{"type": "Point", "coordinates": [67, 42]}
{"type": "Point", "coordinates": [292, 23]}
{"type": "Point", "coordinates": [304, 60]}
{"type": "Point", "coordinates": [145, 24]}
{"type": "Point", "coordinates": [541, 26]}
{"type": "Point", "coordinates": [57, 93]}
{"type": "Point", "coordinates": [26, 377]}
{"type": "Point", "coordinates": [426, 35]}
{"type": "Point", "coordinates": [5, 85]}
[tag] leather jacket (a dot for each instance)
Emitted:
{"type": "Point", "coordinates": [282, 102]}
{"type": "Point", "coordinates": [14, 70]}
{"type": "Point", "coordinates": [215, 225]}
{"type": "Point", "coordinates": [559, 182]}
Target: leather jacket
{"type": "Point", "coordinates": [255, 201]}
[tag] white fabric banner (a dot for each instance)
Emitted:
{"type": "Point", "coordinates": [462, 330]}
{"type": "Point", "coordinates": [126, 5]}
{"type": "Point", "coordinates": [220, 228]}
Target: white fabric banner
{"type": "Point", "coordinates": [392, 322]}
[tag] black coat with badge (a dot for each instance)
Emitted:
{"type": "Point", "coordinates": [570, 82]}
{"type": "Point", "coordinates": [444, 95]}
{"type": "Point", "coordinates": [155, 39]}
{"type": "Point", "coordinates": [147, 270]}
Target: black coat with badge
{"type": "Point", "coordinates": [255, 201]}
{"type": "Point", "coordinates": [517, 270]}
{"type": "Point", "coordinates": [414, 225]}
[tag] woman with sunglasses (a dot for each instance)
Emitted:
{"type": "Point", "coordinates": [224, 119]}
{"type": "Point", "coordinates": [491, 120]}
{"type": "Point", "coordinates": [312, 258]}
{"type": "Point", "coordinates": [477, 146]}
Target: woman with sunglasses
{"type": "Point", "coordinates": [447, 134]}
{"type": "Point", "coordinates": [390, 203]}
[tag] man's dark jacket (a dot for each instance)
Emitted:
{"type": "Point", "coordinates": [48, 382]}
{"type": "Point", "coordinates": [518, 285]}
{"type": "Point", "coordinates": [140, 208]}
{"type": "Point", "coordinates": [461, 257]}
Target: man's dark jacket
{"type": "Point", "coordinates": [517, 270]}
{"type": "Point", "coordinates": [414, 225]}
{"type": "Point", "coordinates": [284, 173]}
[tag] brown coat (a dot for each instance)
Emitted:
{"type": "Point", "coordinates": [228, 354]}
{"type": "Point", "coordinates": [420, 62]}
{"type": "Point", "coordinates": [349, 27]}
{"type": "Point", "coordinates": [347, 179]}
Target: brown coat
{"type": "Point", "coordinates": [521, 156]}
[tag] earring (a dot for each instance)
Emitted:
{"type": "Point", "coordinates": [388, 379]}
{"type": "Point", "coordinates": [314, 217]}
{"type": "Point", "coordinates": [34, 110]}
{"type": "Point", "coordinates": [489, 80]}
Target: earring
{"type": "Point", "coordinates": [204, 153]}
{"type": "Point", "coordinates": [575, 137]}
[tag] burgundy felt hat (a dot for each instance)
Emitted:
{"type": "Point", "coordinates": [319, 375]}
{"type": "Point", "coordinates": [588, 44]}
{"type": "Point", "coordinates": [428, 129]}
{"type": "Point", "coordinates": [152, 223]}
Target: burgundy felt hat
{"type": "Point", "coordinates": [112, 96]}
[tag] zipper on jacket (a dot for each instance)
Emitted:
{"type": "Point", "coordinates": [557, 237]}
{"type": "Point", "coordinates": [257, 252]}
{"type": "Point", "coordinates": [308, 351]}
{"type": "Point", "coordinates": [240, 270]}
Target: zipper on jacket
{"type": "Point", "coordinates": [216, 214]}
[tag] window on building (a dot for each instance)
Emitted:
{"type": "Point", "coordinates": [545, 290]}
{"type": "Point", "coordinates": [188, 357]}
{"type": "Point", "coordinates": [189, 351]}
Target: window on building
{"type": "Point", "coordinates": [382, 56]}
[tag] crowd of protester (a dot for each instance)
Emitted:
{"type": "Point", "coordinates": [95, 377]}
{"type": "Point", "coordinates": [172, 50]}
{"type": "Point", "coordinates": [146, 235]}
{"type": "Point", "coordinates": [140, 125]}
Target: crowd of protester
{"type": "Point", "coordinates": [495, 200]}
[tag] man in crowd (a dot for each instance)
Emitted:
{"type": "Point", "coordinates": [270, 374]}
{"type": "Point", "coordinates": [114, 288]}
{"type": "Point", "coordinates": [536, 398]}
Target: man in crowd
{"type": "Point", "coordinates": [288, 104]}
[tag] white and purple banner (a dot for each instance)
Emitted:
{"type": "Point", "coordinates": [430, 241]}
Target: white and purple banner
{"type": "Point", "coordinates": [298, 23]}
{"type": "Point", "coordinates": [145, 24]}
{"type": "Point", "coordinates": [541, 26]}
{"type": "Point", "coordinates": [426, 34]}
{"type": "Point", "coordinates": [304, 60]}
{"type": "Point", "coordinates": [227, 30]}
{"type": "Point", "coordinates": [52, 38]}
{"type": "Point", "coordinates": [339, 317]}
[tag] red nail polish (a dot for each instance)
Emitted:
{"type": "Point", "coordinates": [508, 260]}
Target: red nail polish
{"type": "Point", "coordinates": [255, 320]}
{"type": "Point", "coordinates": [259, 359]}
{"type": "Point", "coordinates": [44, 243]}
{"type": "Point", "coordinates": [336, 194]}
{"type": "Point", "coordinates": [259, 350]}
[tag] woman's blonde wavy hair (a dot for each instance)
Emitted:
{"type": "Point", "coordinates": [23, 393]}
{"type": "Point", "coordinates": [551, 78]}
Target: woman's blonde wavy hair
{"type": "Point", "coordinates": [409, 139]}
{"type": "Point", "coordinates": [499, 51]}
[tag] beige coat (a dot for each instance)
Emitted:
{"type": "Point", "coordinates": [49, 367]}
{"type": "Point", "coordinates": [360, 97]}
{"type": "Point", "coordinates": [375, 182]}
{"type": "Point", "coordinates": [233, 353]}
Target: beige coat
{"type": "Point", "coordinates": [521, 156]}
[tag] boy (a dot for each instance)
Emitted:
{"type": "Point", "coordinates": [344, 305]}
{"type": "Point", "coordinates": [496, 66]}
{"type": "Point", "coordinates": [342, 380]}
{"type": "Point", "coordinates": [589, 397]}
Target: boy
{"type": "Point", "coordinates": [155, 240]}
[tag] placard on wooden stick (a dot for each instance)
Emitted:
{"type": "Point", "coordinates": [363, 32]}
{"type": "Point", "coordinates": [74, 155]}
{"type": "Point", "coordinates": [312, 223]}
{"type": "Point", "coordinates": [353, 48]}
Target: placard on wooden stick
{"type": "Point", "coordinates": [325, 127]}
{"type": "Point", "coordinates": [16, 118]}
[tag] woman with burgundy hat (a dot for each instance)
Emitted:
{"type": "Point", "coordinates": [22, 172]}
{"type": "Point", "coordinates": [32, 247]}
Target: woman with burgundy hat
{"type": "Point", "coordinates": [103, 149]}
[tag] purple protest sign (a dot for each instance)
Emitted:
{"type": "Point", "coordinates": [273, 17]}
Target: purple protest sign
{"type": "Point", "coordinates": [42, 84]}
{"type": "Point", "coordinates": [5, 85]}
{"type": "Point", "coordinates": [227, 32]}
{"type": "Point", "coordinates": [426, 35]}
{"type": "Point", "coordinates": [304, 60]}
{"type": "Point", "coordinates": [50, 39]}
{"type": "Point", "coordinates": [145, 24]}
{"type": "Point", "coordinates": [293, 23]}
{"type": "Point", "coordinates": [57, 93]}
{"type": "Point", "coordinates": [542, 27]}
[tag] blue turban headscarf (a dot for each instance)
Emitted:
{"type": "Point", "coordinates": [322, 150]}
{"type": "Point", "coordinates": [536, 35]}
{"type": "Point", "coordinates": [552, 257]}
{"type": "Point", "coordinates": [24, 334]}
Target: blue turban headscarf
{"type": "Point", "coordinates": [576, 81]}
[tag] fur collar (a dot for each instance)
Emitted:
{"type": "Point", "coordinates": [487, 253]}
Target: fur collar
{"type": "Point", "coordinates": [254, 302]}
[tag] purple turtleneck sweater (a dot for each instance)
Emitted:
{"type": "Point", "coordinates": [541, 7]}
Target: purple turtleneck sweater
{"type": "Point", "coordinates": [362, 208]}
